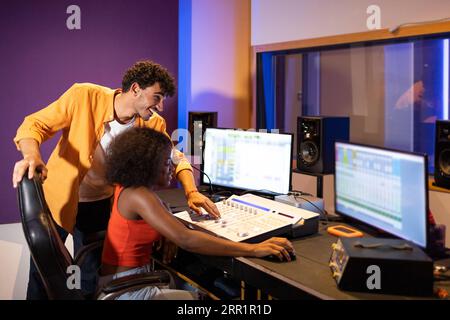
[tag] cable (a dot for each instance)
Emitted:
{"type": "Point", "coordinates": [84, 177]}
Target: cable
{"type": "Point", "coordinates": [272, 193]}
{"type": "Point", "coordinates": [323, 212]}
{"type": "Point", "coordinates": [210, 184]}
{"type": "Point", "coordinates": [301, 193]}
{"type": "Point", "coordinates": [178, 208]}
{"type": "Point", "coordinates": [296, 195]}
{"type": "Point", "coordinates": [177, 157]}
{"type": "Point", "coordinates": [222, 191]}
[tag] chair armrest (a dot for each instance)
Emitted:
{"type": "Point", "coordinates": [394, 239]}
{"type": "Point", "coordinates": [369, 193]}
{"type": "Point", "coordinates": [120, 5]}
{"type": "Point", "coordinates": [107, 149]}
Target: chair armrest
{"type": "Point", "coordinates": [134, 282]}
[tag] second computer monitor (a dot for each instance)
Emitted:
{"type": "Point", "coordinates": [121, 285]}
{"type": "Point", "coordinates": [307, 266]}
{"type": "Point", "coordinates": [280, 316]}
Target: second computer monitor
{"type": "Point", "coordinates": [384, 188]}
{"type": "Point", "coordinates": [248, 160]}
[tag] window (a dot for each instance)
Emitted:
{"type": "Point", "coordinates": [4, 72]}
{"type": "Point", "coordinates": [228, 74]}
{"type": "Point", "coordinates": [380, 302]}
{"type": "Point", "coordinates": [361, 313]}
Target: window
{"type": "Point", "coordinates": [393, 92]}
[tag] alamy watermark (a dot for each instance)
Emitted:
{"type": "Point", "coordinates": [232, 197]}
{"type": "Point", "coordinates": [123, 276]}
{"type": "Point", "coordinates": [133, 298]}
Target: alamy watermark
{"type": "Point", "coordinates": [373, 21]}
{"type": "Point", "coordinates": [374, 280]}
{"type": "Point", "coordinates": [73, 21]}
{"type": "Point", "coordinates": [74, 279]}
{"type": "Point", "coordinates": [193, 145]}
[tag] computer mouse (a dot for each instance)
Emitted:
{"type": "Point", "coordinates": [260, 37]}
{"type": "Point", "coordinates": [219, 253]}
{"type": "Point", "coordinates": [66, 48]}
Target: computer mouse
{"type": "Point", "coordinates": [274, 258]}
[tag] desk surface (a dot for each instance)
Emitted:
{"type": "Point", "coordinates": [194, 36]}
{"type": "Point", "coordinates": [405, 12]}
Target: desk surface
{"type": "Point", "coordinates": [309, 276]}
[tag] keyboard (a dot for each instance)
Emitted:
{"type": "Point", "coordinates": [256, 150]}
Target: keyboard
{"type": "Point", "coordinates": [247, 217]}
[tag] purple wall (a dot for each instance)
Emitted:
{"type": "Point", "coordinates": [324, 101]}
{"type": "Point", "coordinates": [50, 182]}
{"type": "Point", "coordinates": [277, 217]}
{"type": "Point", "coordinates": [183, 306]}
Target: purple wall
{"type": "Point", "coordinates": [40, 58]}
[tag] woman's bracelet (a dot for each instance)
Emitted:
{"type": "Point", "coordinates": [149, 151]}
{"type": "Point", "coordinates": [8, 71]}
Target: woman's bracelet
{"type": "Point", "coordinates": [189, 193]}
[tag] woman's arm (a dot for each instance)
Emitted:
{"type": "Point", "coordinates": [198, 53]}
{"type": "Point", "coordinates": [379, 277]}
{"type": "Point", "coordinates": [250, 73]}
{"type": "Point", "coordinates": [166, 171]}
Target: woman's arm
{"type": "Point", "coordinates": [147, 205]}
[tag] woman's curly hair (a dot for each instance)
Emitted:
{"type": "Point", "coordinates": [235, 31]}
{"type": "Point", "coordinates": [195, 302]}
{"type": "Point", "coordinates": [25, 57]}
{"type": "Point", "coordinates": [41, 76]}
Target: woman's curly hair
{"type": "Point", "coordinates": [146, 73]}
{"type": "Point", "coordinates": [136, 156]}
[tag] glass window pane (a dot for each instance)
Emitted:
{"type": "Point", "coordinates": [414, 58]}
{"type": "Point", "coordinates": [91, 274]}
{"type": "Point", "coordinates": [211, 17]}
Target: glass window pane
{"type": "Point", "coordinates": [393, 93]}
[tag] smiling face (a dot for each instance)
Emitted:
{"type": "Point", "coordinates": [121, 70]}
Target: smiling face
{"type": "Point", "coordinates": [167, 168]}
{"type": "Point", "coordinates": [148, 100]}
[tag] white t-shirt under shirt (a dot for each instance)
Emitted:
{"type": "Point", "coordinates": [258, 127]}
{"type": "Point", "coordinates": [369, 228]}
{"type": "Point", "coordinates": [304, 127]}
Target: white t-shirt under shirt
{"type": "Point", "coordinates": [94, 186]}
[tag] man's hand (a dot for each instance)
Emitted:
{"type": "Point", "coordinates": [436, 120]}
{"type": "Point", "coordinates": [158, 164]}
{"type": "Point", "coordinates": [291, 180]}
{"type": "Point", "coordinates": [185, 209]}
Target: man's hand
{"type": "Point", "coordinates": [32, 163]}
{"type": "Point", "coordinates": [196, 200]}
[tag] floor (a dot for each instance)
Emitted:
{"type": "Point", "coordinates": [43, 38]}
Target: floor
{"type": "Point", "coordinates": [15, 258]}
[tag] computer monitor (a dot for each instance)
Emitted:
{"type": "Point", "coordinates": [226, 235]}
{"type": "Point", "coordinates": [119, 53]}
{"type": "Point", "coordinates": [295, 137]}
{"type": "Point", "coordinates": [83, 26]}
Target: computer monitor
{"type": "Point", "coordinates": [383, 188]}
{"type": "Point", "coordinates": [248, 160]}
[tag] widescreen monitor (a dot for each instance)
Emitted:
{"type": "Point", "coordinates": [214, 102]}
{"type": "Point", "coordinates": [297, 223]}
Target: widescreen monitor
{"type": "Point", "coordinates": [386, 189]}
{"type": "Point", "coordinates": [248, 160]}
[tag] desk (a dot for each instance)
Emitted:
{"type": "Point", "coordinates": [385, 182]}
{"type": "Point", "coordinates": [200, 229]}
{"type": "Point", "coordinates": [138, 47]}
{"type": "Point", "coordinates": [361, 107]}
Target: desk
{"type": "Point", "coordinates": [433, 187]}
{"type": "Point", "coordinates": [308, 277]}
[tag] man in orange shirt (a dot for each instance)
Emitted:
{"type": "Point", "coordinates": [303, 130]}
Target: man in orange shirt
{"type": "Point", "coordinates": [90, 116]}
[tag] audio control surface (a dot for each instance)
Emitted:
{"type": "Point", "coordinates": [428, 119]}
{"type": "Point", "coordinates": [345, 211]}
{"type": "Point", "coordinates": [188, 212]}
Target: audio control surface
{"type": "Point", "coordinates": [246, 217]}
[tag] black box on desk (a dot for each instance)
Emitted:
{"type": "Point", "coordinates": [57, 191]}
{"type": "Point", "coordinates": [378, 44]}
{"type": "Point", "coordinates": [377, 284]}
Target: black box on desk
{"type": "Point", "coordinates": [303, 227]}
{"type": "Point", "coordinates": [381, 266]}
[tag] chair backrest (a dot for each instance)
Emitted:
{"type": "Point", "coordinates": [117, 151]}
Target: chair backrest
{"type": "Point", "coordinates": [47, 250]}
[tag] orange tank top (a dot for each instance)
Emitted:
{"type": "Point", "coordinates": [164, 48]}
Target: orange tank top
{"type": "Point", "coordinates": [128, 243]}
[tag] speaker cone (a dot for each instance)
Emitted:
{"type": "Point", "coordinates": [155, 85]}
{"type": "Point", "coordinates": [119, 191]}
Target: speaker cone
{"type": "Point", "coordinates": [444, 162]}
{"type": "Point", "coordinates": [309, 152]}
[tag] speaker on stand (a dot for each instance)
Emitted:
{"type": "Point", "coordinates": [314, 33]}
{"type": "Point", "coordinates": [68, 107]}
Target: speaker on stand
{"type": "Point", "coordinates": [442, 154]}
{"type": "Point", "coordinates": [315, 142]}
{"type": "Point", "coordinates": [198, 122]}
{"type": "Point", "coordinates": [197, 125]}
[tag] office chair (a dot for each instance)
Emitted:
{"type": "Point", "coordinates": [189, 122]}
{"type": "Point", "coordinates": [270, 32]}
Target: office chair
{"type": "Point", "coordinates": [52, 258]}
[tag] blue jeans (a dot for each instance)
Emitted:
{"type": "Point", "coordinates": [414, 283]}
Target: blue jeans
{"type": "Point", "coordinates": [150, 292]}
{"type": "Point", "coordinates": [91, 217]}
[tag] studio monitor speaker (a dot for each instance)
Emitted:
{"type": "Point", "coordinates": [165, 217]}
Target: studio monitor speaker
{"type": "Point", "coordinates": [442, 154]}
{"type": "Point", "coordinates": [198, 122]}
{"type": "Point", "coordinates": [315, 142]}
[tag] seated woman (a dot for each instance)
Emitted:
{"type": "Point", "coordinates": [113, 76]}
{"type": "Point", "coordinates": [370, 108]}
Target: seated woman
{"type": "Point", "coordinates": [138, 161]}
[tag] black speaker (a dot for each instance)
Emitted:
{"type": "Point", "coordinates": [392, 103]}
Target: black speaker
{"type": "Point", "coordinates": [442, 154]}
{"type": "Point", "coordinates": [198, 122]}
{"type": "Point", "coordinates": [315, 142]}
